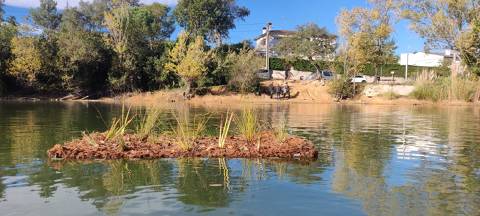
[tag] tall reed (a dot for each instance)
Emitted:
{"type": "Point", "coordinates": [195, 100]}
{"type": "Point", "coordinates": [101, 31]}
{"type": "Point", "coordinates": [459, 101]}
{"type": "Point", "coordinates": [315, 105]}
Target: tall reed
{"type": "Point", "coordinates": [460, 89]}
{"type": "Point", "coordinates": [224, 129]}
{"type": "Point", "coordinates": [247, 124]}
{"type": "Point", "coordinates": [281, 131]}
{"type": "Point", "coordinates": [147, 123]}
{"type": "Point", "coordinates": [119, 125]}
{"type": "Point", "coordinates": [186, 131]}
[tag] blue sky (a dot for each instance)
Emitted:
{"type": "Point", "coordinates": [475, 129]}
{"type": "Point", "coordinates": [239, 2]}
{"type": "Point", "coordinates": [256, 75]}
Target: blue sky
{"type": "Point", "coordinates": [284, 14]}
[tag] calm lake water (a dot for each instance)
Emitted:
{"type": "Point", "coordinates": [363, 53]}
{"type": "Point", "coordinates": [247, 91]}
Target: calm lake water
{"type": "Point", "coordinates": [374, 160]}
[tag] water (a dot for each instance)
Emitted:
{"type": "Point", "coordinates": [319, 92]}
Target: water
{"type": "Point", "coordinates": [374, 160]}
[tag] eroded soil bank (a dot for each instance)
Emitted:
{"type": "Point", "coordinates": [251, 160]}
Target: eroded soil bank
{"type": "Point", "coordinates": [95, 146]}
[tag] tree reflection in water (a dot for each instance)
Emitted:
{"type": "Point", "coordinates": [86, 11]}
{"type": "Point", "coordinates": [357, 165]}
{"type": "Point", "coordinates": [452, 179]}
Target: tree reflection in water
{"type": "Point", "coordinates": [391, 160]}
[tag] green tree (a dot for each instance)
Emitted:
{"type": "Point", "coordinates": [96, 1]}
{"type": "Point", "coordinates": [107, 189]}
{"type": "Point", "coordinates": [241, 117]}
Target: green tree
{"type": "Point", "coordinates": [83, 58]}
{"type": "Point", "coordinates": [243, 70]}
{"type": "Point", "coordinates": [211, 19]}
{"type": "Point", "coordinates": [2, 2]}
{"type": "Point", "coordinates": [188, 60]}
{"type": "Point", "coordinates": [310, 42]}
{"type": "Point", "coordinates": [7, 32]}
{"type": "Point", "coordinates": [469, 45]}
{"type": "Point", "coordinates": [137, 35]}
{"type": "Point", "coordinates": [93, 13]}
{"type": "Point", "coordinates": [46, 16]}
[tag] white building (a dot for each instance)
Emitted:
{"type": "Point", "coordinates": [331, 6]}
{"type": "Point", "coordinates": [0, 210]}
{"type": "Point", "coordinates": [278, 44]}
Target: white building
{"type": "Point", "coordinates": [274, 37]}
{"type": "Point", "coordinates": [421, 59]}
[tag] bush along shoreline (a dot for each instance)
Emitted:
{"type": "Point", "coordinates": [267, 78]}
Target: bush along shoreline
{"type": "Point", "coordinates": [186, 139]}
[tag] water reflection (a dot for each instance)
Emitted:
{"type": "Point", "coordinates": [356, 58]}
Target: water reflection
{"type": "Point", "coordinates": [375, 160]}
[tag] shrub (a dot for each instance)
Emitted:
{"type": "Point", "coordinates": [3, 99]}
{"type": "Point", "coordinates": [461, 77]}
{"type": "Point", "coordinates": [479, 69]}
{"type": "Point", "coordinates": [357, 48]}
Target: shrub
{"type": "Point", "coordinates": [446, 89]}
{"type": "Point", "coordinates": [244, 68]}
{"type": "Point", "coordinates": [343, 88]}
{"type": "Point", "coordinates": [277, 64]}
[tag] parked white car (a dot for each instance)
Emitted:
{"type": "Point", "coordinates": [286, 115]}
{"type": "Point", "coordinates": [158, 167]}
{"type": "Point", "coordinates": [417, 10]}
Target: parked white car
{"type": "Point", "coordinates": [359, 79]}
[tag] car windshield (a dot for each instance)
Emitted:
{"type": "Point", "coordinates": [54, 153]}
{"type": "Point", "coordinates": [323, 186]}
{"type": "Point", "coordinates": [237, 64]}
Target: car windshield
{"type": "Point", "coordinates": [358, 76]}
{"type": "Point", "coordinates": [327, 73]}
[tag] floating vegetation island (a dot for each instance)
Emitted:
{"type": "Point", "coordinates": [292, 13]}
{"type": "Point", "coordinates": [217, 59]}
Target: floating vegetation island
{"type": "Point", "coordinates": [186, 140]}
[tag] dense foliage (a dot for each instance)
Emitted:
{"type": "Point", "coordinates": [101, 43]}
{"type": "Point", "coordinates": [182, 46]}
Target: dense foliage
{"type": "Point", "coordinates": [105, 47]}
{"type": "Point", "coordinates": [367, 36]}
{"type": "Point", "coordinates": [211, 19]}
{"type": "Point", "coordinates": [309, 42]}
{"type": "Point", "coordinates": [114, 46]}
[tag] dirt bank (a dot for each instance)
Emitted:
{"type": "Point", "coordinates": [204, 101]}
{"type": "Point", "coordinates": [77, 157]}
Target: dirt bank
{"type": "Point", "coordinates": [95, 146]}
{"type": "Point", "coordinates": [302, 91]}
{"type": "Point", "coordinates": [313, 92]}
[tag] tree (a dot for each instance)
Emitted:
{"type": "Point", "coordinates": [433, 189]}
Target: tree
{"type": "Point", "coordinates": [27, 62]}
{"type": "Point", "coordinates": [469, 44]}
{"type": "Point", "coordinates": [2, 2]}
{"type": "Point", "coordinates": [243, 70]}
{"type": "Point", "coordinates": [93, 13]}
{"type": "Point", "coordinates": [83, 58]}
{"type": "Point", "coordinates": [118, 23]}
{"type": "Point", "coordinates": [211, 19]}
{"type": "Point", "coordinates": [366, 35]}
{"type": "Point", "coordinates": [7, 33]}
{"type": "Point", "coordinates": [46, 16]}
{"type": "Point", "coordinates": [136, 34]}
{"type": "Point", "coordinates": [440, 22]}
{"type": "Point", "coordinates": [309, 42]}
{"type": "Point", "coordinates": [153, 21]}
{"type": "Point", "coordinates": [188, 60]}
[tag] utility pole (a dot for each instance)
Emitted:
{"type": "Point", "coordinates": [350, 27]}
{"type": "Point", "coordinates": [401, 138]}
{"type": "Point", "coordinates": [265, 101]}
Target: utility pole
{"type": "Point", "coordinates": [267, 60]}
{"type": "Point", "coordinates": [406, 68]}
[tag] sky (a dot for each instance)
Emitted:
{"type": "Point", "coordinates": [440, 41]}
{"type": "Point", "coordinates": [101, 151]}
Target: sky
{"type": "Point", "coordinates": [284, 15]}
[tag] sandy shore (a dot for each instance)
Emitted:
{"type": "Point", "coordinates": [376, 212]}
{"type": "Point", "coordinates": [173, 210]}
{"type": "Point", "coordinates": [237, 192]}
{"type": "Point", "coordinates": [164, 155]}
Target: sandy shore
{"type": "Point", "coordinates": [306, 92]}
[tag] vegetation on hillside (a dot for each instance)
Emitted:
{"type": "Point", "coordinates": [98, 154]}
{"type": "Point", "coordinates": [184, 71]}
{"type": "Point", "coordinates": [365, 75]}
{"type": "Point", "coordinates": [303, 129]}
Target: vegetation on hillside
{"type": "Point", "coordinates": [107, 47]}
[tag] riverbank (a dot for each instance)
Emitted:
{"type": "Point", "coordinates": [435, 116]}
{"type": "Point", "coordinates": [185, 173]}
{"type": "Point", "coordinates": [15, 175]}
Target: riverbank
{"type": "Point", "coordinates": [311, 92]}
{"type": "Point", "coordinates": [303, 92]}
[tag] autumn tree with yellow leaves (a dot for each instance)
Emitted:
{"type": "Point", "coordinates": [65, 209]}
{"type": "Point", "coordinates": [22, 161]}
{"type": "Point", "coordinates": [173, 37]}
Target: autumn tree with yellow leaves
{"type": "Point", "coordinates": [366, 35]}
{"type": "Point", "coordinates": [27, 62]}
{"type": "Point", "coordinates": [188, 59]}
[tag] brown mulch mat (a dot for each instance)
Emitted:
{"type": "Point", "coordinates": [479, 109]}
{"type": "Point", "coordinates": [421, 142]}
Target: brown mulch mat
{"type": "Point", "coordinates": [95, 146]}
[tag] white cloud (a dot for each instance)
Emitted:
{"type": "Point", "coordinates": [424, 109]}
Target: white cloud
{"type": "Point", "coordinates": [63, 3]}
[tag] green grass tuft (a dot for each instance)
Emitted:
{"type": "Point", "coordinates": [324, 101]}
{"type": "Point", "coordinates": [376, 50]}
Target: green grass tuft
{"type": "Point", "coordinates": [119, 125]}
{"type": "Point", "coordinates": [186, 131]}
{"type": "Point", "coordinates": [247, 124]}
{"type": "Point", "coordinates": [148, 123]}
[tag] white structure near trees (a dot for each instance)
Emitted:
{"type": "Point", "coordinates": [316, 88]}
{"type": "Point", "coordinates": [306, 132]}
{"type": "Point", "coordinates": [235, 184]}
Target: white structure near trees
{"type": "Point", "coordinates": [421, 59]}
{"type": "Point", "coordinates": [274, 37]}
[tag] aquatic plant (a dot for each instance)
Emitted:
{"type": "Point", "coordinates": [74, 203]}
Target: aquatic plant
{"type": "Point", "coordinates": [223, 165]}
{"type": "Point", "coordinates": [247, 124]}
{"type": "Point", "coordinates": [148, 122]}
{"type": "Point", "coordinates": [89, 139]}
{"type": "Point", "coordinates": [119, 125]}
{"type": "Point", "coordinates": [186, 132]}
{"type": "Point", "coordinates": [280, 131]}
{"type": "Point", "coordinates": [224, 129]}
